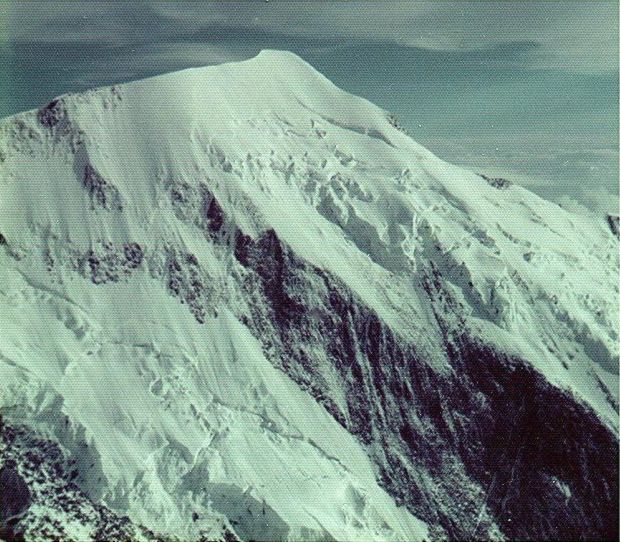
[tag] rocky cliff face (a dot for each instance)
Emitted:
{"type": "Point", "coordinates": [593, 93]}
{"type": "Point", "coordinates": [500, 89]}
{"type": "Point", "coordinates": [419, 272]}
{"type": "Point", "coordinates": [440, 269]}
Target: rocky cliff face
{"type": "Point", "coordinates": [273, 316]}
{"type": "Point", "coordinates": [489, 451]}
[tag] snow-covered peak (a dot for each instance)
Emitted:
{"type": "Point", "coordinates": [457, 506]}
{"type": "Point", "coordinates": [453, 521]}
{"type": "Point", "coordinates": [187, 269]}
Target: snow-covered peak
{"type": "Point", "coordinates": [125, 213]}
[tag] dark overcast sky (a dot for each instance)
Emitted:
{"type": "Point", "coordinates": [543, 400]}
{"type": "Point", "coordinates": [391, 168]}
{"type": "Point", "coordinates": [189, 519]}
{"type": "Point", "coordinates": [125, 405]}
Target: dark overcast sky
{"type": "Point", "coordinates": [527, 89]}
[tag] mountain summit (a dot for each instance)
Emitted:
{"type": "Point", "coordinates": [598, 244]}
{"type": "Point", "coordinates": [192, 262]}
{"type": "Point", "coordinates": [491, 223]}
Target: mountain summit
{"type": "Point", "coordinates": [239, 303]}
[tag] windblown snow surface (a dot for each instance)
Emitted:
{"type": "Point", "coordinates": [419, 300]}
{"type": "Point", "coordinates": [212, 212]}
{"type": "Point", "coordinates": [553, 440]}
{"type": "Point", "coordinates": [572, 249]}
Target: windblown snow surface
{"type": "Point", "coordinates": [239, 303]}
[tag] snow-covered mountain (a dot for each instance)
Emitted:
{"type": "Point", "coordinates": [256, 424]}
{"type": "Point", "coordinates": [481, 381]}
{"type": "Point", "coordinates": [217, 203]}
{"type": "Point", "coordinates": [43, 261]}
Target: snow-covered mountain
{"type": "Point", "coordinates": [239, 303]}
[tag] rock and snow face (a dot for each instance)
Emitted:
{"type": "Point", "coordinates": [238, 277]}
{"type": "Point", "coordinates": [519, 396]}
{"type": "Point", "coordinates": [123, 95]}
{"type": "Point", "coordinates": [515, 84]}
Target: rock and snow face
{"type": "Point", "coordinates": [248, 306]}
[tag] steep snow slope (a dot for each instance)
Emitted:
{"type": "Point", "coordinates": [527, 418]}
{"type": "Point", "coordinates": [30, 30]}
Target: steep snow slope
{"type": "Point", "coordinates": [251, 300]}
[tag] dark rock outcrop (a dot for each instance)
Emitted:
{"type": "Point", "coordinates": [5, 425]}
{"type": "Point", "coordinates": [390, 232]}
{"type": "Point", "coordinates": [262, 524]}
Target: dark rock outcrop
{"type": "Point", "coordinates": [109, 263]}
{"type": "Point", "coordinates": [614, 224]}
{"type": "Point", "coordinates": [52, 113]}
{"type": "Point", "coordinates": [14, 500]}
{"type": "Point", "coordinates": [102, 193]}
{"type": "Point", "coordinates": [496, 182]}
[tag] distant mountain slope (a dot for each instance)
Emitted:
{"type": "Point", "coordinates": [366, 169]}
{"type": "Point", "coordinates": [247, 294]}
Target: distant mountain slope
{"type": "Point", "coordinates": [242, 301]}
